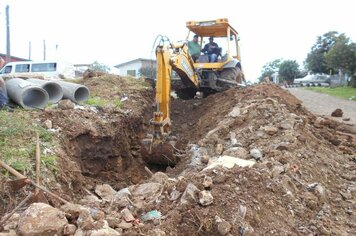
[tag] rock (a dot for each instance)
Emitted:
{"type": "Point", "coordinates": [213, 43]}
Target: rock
{"type": "Point", "coordinates": [239, 152]}
{"type": "Point", "coordinates": [219, 149]}
{"type": "Point", "coordinates": [287, 124]}
{"type": "Point", "coordinates": [175, 194]}
{"type": "Point", "coordinates": [149, 190]}
{"type": "Point", "coordinates": [346, 119]}
{"type": "Point", "coordinates": [85, 221]}
{"type": "Point", "coordinates": [156, 232]}
{"type": "Point", "coordinates": [48, 124]}
{"type": "Point", "coordinates": [10, 233]}
{"type": "Point", "coordinates": [190, 194]}
{"type": "Point", "coordinates": [235, 112]}
{"type": "Point", "coordinates": [79, 232]}
{"type": "Point", "coordinates": [12, 222]}
{"type": "Point", "coordinates": [270, 130]}
{"type": "Point", "coordinates": [256, 154]}
{"type": "Point", "coordinates": [229, 162]}
{"type": "Point", "coordinates": [224, 227]}
{"type": "Point", "coordinates": [41, 219]}
{"type": "Point", "coordinates": [71, 210]}
{"type": "Point", "coordinates": [208, 182]}
{"type": "Point", "coordinates": [127, 215]}
{"type": "Point", "coordinates": [205, 198]}
{"type": "Point", "coordinates": [277, 170]}
{"type": "Point", "coordinates": [337, 113]}
{"type": "Point", "coordinates": [319, 122]}
{"type": "Point", "coordinates": [105, 232]}
{"type": "Point", "coordinates": [97, 214]}
{"type": "Point", "coordinates": [66, 104]}
{"type": "Point", "coordinates": [69, 229]}
{"type": "Point", "coordinates": [283, 146]}
{"type": "Point", "coordinates": [105, 191]}
{"type": "Point", "coordinates": [204, 159]}
{"type": "Point", "coordinates": [125, 225]}
{"type": "Point", "coordinates": [90, 200]}
{"type": "Point", "coordinates": [113, 220]}
{"type": "Point", "coordinates": [159, 177]}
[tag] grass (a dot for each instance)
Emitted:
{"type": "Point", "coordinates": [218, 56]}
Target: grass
{"type": "Point", "coordinates": [18, 142]}
{"type": "Point", "coordinates": [96, 101]}
{"type": "Point", "coordinates": [342, 92]}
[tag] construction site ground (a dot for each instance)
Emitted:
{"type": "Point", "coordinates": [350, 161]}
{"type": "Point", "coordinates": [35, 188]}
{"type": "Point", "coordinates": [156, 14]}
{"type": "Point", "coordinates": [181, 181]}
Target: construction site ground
{"type": "Point", "coordinates": [301, 178]}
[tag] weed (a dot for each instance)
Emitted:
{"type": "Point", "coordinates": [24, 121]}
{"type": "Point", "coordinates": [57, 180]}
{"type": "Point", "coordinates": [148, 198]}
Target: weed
{"type": "Point", "coordinates": [96, 101]}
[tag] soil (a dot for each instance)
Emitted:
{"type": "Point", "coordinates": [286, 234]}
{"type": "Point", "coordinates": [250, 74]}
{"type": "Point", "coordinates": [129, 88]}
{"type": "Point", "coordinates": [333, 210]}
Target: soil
{"type": "Point", "coordinates": [304, 184]}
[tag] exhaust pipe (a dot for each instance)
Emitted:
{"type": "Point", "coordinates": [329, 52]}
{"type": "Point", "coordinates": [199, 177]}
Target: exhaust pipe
{"type": "Point", "coordinates": [54, 90]}
{"type": "Point", "coordinates": [75, 92]}
{"type": "Point", "coordinates": [26, 94]}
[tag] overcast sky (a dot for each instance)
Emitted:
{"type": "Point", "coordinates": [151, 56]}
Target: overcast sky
{"type": "Point", "coordinates": [113, 32]}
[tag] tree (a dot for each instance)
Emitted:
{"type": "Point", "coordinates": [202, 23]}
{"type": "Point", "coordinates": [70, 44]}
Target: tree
{"type": "Point", "coordinates": [270, 68]}
{"type": "Point", "coordinates": [147, 71]}
{"type": "Point", "coordinates": [288, 70]}
{"type": "Point", "coordinates": [315, 60]}
{"type": "Point", "coordinates": [96, 66]}
{"type": "Point", "coordinates": [342, 56]}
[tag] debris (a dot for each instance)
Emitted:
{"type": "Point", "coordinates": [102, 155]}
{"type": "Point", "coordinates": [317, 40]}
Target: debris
{"type": "Point", "coordinates": [127, 215]}
{"type": "Point", "coordinates": [235, 112]}
{"type": "Point", "coordinates": [208, 182]}
{"type": "Point", "coordinates": [205, 198]}
{"type": "Point", "coordinates": [346, 119]}
{"type": "Point", "coordinates": [205, 159]}
{"type": "Point", "coordinates": [48, 124]}
{"type": "Point", "coordinates": [219, 149]}
{"type": "Point", "coordinates": [69, 229]}
{"type": "Point", "coordinates": [239, 152]}
{"type": "Point", "coordinates": [223, 227]}
{"type": "Point", "coordinates": [190, 194]}
{"type": "Point", "coordinates": [105, 191]}
{"type": "Point", "coordinates": [270, 130]}
{"type": "Point", "coordinates": [337, 113]}
{"type": "Point", "coordinates": [229, 162]}
{"type": "Point", "coordinates": [66, 104]}
{"type": "Point", "coordinates": [256, 154]}
{"type": "Point", "coordinates": [124, 225]}
{"type": "Point", "coordinates": [151, 215]}
{"type": "Point", "coordinates": [277, 170]}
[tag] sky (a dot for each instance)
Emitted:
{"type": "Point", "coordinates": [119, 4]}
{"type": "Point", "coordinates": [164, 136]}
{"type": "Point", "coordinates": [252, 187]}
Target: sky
{"type": "Point", "coordinates": [113, 32]}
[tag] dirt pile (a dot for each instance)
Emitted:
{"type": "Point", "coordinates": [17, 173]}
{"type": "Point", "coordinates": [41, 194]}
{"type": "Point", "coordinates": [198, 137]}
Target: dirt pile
{"type": "Point", "coordinates": [301, 179]}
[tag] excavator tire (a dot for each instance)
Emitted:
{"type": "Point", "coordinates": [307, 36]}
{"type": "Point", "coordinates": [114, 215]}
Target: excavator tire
{"type": "Point", "coordinates": [229, 77]}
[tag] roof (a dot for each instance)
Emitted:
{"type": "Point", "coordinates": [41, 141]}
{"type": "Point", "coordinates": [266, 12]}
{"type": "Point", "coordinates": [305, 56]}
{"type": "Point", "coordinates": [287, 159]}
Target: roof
{"type": "Point", "coordinates": [16, 58]}
{"type": "Point", "coordinates": [133, 61]}
{"type": "Point", "coordinates": [216, 28]}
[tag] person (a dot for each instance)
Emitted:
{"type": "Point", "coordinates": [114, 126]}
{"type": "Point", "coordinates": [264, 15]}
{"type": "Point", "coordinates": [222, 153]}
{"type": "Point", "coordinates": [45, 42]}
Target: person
{"type": "Point", "coordinates": [212, 49]}
{"type": "Point", "coordinates": [194, 48]}
{"type": "Point", "coordinates": [4, 102]}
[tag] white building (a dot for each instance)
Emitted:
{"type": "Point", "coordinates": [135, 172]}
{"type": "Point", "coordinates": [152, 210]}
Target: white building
{"type": "Point", "coordinates": [131, 68]}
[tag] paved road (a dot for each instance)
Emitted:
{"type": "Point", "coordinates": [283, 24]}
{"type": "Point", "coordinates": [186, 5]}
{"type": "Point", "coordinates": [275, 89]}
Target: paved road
{"type": "Point", "coordinates": [324, 104]}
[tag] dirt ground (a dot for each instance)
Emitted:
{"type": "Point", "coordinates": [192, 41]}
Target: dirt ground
{"type": "Point", "coordinates": [324, 104]}
{"type": "Point", "coordinates": [302, 182]}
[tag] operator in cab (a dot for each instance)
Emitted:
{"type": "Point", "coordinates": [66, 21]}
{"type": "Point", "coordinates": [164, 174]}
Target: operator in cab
{"type": "Point", "coordinates": [194, 48]}
{"type": "Point", "coordinates": [212, 49]}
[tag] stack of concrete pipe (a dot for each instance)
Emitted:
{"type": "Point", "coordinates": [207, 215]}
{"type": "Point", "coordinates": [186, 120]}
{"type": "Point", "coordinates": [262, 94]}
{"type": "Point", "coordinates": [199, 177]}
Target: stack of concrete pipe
{"type": "Point", "coordinates": [36, 93]}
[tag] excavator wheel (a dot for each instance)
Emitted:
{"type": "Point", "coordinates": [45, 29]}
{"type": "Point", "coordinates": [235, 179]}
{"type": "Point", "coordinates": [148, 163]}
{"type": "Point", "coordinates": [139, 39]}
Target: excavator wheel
{"type": "Point", "coordinates": [161, 153]}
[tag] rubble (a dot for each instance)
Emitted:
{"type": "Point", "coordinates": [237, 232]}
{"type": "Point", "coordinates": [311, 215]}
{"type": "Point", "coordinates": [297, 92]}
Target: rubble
{"type": "Point", "coordinates": [258, 164]}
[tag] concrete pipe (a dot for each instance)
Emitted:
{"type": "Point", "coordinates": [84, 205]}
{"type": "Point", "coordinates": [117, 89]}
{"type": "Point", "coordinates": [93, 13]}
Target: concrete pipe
{"type": "Point", "coordinates": [26, 94]}
{"type": "Point", "coordinates": [53, 89]}
{"type": "Point", "coordinates": [75, 92]}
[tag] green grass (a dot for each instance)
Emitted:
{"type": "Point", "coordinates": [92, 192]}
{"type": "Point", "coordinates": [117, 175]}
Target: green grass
{"type": "Point", "coordinates": [342, 92]}
{"type": "Point", "coordinates": [18, 142]}
{"type": "Point", "coordinates": [96, 101]}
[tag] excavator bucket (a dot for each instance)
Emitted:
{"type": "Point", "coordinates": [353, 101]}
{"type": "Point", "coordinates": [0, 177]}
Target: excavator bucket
{"type": "Point", "coordinates": [158, 152]}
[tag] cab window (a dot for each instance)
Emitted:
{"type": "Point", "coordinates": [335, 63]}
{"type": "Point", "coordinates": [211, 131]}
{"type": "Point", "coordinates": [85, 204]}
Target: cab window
{"type": "Point", "coordinates": [7, 70]}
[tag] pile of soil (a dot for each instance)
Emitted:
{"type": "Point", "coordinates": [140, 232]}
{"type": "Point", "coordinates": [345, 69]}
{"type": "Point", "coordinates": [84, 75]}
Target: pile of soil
{"type": "Point", "coordinates": [302, 182]}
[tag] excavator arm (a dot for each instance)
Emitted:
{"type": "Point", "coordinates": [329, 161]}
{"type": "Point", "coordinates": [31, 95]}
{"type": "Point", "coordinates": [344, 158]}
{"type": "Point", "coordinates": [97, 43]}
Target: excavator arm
{"type": "Point", "coordinates": [158, 147]}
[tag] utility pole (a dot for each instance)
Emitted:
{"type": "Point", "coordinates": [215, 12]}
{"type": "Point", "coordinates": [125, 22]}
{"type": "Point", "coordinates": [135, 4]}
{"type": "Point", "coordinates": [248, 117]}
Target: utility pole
{"type": "Point", "coordinates": [44, 50]}
{"type": "Point", "coordinates": [29, 50]}
{"type": "Point", "coordinates": [8, 54]}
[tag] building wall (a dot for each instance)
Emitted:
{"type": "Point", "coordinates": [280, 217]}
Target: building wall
{"type": "Point", "coordinates": [131, 69]}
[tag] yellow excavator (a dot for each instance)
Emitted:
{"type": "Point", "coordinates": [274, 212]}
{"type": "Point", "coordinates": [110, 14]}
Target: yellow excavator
{"type": "Point", "coordinates": [195, 76]}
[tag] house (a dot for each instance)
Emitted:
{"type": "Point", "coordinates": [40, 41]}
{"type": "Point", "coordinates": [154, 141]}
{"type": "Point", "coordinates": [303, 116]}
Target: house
{"type": "Point", "coordinates": [132, 68]}
{"type": "Point", "coordinates": [12, 59]}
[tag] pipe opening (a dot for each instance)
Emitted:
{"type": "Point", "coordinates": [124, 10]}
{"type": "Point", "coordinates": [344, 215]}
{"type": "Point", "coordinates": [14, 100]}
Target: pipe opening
{"type": "Point", "coordinates": [35, 98]}
{"type": "Point", "coordinates": [54, 91]}
{"type": "Point", "coordinates": [81, 94]}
